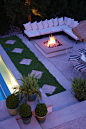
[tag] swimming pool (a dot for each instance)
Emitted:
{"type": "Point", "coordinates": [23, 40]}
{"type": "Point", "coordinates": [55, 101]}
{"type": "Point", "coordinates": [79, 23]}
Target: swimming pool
{"type": "Point", "coordinates": [7, 80]}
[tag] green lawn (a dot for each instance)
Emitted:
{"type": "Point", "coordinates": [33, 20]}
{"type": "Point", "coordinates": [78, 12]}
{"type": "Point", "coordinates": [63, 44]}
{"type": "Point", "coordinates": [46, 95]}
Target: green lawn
{"type": "Point", "coordinates": [46, 78]}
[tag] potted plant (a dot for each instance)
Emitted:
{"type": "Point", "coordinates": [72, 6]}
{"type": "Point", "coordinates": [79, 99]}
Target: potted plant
{"type": "Point", "coordinates": [29, 87]}
{"type": "Point", "coordinates": [12, 103]}
{"type": "Point", "coordinates": [41, 111]}
{"type": "Point", "coordinates": [25, 113]}
{"type": "Point", "coordinates": [79, 88]}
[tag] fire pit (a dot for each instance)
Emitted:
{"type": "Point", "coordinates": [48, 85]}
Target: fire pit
{"type": "Point", "coordinates": [52, 42]}
{"type": "Point", "coordinates": [53, 46]}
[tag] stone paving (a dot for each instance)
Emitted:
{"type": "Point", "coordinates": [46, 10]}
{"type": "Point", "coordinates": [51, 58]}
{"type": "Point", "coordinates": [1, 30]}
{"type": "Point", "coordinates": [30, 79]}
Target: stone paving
{"type": "Point", "coordinates": [38, 74]}
{"type": "Point", "coordinates": [10, 42]}
{"type": "Point", "coordinates": [48, 88]}
{"type": "Point", "coordinates": [17, 50]}
{"type": "Point", "coordinates": [25, 61]}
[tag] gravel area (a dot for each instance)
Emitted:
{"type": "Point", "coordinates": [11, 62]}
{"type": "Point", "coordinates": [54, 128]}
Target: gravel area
{"type": "Point", "coordinates": [79, 123]}
{"type": "Point", "coordinates": [61, 62]}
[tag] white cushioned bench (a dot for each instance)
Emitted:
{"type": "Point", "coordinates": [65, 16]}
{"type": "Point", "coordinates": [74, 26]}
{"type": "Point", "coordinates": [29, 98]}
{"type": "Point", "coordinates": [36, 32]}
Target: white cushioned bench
{"type": "Point", "coordinates": [50, 26]}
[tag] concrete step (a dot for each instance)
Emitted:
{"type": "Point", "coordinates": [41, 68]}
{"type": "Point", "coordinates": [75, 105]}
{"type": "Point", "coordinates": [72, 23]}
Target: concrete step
{"type": "Point", "coordinates": [33, 124]}
{"type": "Point", "coordinates": [65, 115]}
{"type": "Point", "coordinates": [9, 124]}
{"type": "Point", "coordinates": [62, 100]}
{"type": "Point", "coordinates": [44, 99]}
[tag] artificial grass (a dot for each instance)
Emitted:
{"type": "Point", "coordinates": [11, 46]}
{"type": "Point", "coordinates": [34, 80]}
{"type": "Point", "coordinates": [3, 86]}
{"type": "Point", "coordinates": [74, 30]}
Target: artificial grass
{"type": "Point", "coordinates": [46, 78]}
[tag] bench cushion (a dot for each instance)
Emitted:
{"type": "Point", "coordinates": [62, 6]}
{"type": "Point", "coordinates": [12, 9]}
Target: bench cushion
{"type": "Point", "coordinates": [32, 33]}
{"type": "Point", "coordinates": [56, 29]}
{"type": "Point", "coordinates": [64, 27]}
{"type": "Point", "coordinates": [45, 31]}
{"type": "Point", "coordinates": [69, 32]}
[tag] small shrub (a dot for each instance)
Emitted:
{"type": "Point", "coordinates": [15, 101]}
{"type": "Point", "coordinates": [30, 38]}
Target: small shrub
{"type": "Point", "coordinates": [41, 109]}
{"type": "Point", "coordinates": [25, 110]}
{"type": "Point", "coordinates": [79, 88]}
{"type": "Point", "coordinates": [12, 101]}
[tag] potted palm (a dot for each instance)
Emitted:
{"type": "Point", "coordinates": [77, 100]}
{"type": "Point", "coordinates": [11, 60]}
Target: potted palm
{"type": "Point", "coordinates": [41, 111]}
{"type": "Point", "coordinates": [12, 103]}
{"type": "Point", "coordinates": [29, 87]}
{"type": "Point", "coordinates": [25, 113]}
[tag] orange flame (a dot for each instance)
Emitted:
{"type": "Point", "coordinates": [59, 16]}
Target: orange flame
{"type": "Point", "coordinates": [51, 41]}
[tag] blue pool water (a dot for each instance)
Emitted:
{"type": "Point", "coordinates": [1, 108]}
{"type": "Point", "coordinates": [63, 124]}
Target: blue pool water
{"type": "Point", "coordinates": [5, 89]}
{"type": "Point", "coordinates": [2, 97]}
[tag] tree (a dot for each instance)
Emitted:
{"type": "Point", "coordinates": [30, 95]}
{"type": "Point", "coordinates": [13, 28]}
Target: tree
{"type": "Point", "coordinates": [17, 11]}
{"type": "Point", "coordinates": [4, 20]}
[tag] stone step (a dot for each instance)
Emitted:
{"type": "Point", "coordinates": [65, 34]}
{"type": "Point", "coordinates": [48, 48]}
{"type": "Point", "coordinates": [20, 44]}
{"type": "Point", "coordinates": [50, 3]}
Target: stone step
{"type": "Point", "coordinates": [33, 124]}
{"type": "Point", "coordinates": [44, 99]}
{"type": "Point", "coordinates": [62, 100]}
{"type": "Point", "coordinates": [65, 115]}
{"type": "Point", "coordinates": [10, 123]}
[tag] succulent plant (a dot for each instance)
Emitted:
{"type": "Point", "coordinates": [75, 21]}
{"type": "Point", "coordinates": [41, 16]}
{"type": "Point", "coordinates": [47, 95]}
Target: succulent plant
{"type": "Point", "coordinates": [41, 109]}
{"type": "Point", "coordinates": [12, 101]}
{"type": "Point", "coordinates": [25, 110]}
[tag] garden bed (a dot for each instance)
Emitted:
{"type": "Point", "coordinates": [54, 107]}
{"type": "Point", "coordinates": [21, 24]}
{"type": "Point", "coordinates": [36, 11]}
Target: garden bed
{"type": "Point", "coordinates": [46, 78]}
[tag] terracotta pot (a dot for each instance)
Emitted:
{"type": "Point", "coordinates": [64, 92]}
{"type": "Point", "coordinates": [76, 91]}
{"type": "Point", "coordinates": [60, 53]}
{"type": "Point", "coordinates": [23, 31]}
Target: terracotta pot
{"type": "Point", "coordinates": [41, 119]}
{"type": "Point", "coordinates": [12, 112]}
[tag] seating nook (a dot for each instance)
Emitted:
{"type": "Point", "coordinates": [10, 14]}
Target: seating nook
{"type": "Point", "coordinates": [50, 26]}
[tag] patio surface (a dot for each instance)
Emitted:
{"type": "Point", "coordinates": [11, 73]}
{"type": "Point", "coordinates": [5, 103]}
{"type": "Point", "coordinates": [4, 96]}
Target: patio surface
{"type": "Point", "coordinates": [62, 70]}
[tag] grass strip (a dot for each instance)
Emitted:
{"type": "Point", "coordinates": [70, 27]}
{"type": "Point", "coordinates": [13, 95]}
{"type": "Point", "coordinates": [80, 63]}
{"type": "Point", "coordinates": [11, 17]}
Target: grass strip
{"type": "Point", "coordinates": [46, 78]}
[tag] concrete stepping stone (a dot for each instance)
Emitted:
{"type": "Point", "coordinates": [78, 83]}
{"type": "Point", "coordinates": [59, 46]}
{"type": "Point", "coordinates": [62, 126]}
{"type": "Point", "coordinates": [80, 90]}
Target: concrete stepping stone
{"type": "Point", "coordinates": [17, 50]}
{"type": "Point", "coordinates": [10, 42]}
{"type": "Point", "coordinates": [38, 74]}
{"type": "Point", "coordinates": [48, 88]}
{"type": "Point", "coordinates": [25, 61]}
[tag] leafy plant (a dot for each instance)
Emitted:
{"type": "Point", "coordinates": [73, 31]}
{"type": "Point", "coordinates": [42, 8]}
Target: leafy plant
{"type": "Point", "coordinates": [25, 110]}
{"type": "Point", "coordinates": [41, 109]}
{"type": "Point", "coordinates": [79, 88]}
{"type": "Point", "coordinates": [12, 101]}
{"type": "Point", "coordinates": [29, 86]}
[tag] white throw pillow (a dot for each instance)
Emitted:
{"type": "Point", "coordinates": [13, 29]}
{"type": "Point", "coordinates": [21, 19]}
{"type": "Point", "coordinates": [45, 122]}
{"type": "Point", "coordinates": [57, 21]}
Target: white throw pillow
{"type": "Point", "coordinates": [74, 24]}
{"type": "Point", "coordinates": [68, 21]}
{"type": "Point", "coordinates": [34, 25]}
{"type": "Point", "coordinates": [71, 25]}
{"type": "Point", "coordinates": [27, 26]}
{"type": "Point", "coordinates": [61, 21]}
{"type": "Point", "coordinates": [45, 24]}
{"type": "Point", "coordinates": [50, 22]}
{"type": "Point", "coordinates": [40, 25]}
{"type": "Point", "coordinates": [55, 21]}
{"type": "Point", "coordinates": [65, 18]}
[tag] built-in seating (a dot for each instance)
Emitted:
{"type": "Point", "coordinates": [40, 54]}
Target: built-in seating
{"type": "Point", "coordinates": [50, 26]}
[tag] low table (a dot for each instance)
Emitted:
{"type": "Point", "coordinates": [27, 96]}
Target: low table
{"type": "Point", "coordinates": [50, 52]}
